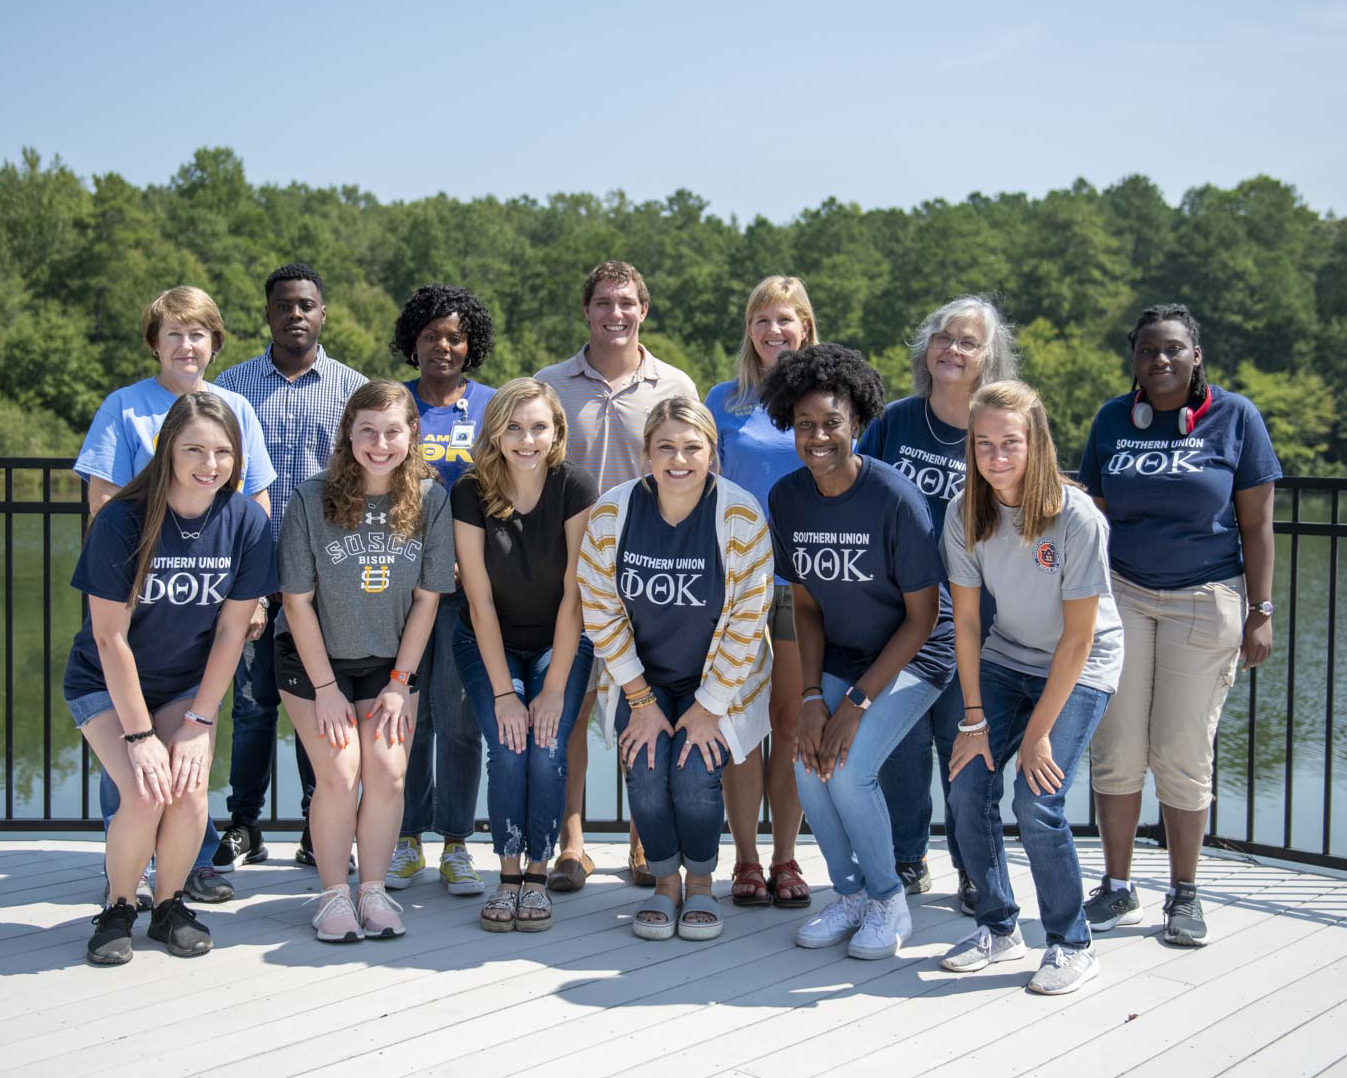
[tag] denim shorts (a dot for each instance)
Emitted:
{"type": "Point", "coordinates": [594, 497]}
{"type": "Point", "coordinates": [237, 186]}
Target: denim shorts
{"type": "Point", "coordinates": [85, 709]}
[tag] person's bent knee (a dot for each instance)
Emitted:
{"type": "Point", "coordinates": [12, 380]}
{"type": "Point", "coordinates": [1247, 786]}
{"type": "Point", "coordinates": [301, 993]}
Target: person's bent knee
{"type": "Point", "coordinates": [1038, 813]}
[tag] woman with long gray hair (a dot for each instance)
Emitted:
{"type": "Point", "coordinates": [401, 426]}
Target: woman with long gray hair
{"type": "Point", "coordinates": [958, 348]}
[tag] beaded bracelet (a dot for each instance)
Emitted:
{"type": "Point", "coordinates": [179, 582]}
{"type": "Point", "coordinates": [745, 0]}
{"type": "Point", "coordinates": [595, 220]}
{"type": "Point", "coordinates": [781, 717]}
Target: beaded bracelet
{"type": "Point", "coordinates": [641, 700]}
{"type": "Point", "coordinates": [131, 739]}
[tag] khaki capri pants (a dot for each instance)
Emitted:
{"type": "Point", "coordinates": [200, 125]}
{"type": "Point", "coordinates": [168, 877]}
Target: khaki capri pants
{"type": "Point", "coordinates": [1180, 653]}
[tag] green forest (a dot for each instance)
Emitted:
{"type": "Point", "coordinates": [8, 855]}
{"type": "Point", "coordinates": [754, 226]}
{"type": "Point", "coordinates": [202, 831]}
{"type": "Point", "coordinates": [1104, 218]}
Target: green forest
{"type": "Point", "coordinates": [1265, 275]}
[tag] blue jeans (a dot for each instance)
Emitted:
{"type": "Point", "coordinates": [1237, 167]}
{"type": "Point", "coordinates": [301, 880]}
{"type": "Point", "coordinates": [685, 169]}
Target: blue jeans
{"type": "Point", "coordinates": [110, 800]}
{"type": "Point", "coordinates": [1009, 698]}
{"type": "Point", "coordinates": [253, 747]}
{"type": "Point", "coordinates": [525, 791]}
{"type": "Point", "coordinates": [678, 811]}
{"type": "Point", "coordinates": [905, 778]}
{"type": "Point", "coordinates": [444, 767]}
{"type": "Point", "coordinates": [847, 813]}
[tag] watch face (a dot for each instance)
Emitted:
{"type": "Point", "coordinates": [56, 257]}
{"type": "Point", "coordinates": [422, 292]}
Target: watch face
{"type": "Point", "coordinates": [856, 696]}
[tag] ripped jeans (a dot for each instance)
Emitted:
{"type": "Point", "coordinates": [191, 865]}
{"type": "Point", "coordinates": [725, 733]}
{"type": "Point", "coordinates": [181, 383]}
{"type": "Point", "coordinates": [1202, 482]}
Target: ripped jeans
{"type": "Point", "coordinates": [525, 791]}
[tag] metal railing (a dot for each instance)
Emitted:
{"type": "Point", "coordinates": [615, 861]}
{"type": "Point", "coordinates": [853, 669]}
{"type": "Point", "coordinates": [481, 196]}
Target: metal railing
{"type": "Point", "coordinates": [42, 536]}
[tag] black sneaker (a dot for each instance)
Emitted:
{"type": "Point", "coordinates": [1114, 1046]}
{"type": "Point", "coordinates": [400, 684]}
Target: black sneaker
{"type": "Point", "coordinates": [144, 894]}
{"type": "Point", "coordinates": [304, 855]}
{"type": "Point", "coordinates": [110, 945]}
{"type": "Point", "coordinates": [914, 876]}
{"type": "Point", "coordinates": [1184, 924]}
{"type": "Point", "coordinates": [1108, 907]}
{"type": "Point", "coordinates": [241, 844]}
{"type": "Point", "coordinates": [176, 927]}
{"type": "Point", "coordinates": [968, 895]}
{"type": "Point", "coordinates": [205, 884]}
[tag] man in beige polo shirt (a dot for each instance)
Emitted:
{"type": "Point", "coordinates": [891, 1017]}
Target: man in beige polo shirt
{"type": "Point", "coordinates": [607, 389]}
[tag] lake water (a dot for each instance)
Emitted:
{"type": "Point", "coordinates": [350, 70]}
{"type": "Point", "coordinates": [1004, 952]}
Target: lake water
{"type": "Point", "coordinates": [34, 696]}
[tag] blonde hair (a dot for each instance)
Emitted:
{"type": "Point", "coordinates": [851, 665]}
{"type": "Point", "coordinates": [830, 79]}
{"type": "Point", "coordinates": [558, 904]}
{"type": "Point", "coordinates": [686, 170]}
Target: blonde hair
{"type": "Point", "coordinates": [767, 293]}
{"type": "Point", "coordinates": [344, 492]}
{"type": "Point", "coordinates": [488, 462]}
{"type": "Point", "coordinates": [1044, 484]}
{"type": "Point", "coordinates": [150, 486]}
{"type": "Point", "coordinates": [682, 410]}
{"type": "Point", "coordinates": [184, 304]}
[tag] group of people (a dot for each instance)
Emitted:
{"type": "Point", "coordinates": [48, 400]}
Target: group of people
{"type": "Point", "coordinates": [791, 590]}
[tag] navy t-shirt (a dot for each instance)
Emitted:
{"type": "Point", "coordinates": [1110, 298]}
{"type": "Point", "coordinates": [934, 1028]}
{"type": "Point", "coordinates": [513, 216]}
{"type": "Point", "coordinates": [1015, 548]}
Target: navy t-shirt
{"type": "Point", "coordinates": [1170, 498]}
{"type": "Point", "coordinates": [173, 623]}
{"type": "Point", "coordinates": [856, 554]}
{"type": "Point", "coordinates": [923, 447]}
{"type": "Point", "coordinates": [672, 583]}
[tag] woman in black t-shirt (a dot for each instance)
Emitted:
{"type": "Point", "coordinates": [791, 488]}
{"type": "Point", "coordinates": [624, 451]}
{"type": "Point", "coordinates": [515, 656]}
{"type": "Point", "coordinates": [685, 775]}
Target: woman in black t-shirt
{"type": "Point", "coordinates": [519, 515]}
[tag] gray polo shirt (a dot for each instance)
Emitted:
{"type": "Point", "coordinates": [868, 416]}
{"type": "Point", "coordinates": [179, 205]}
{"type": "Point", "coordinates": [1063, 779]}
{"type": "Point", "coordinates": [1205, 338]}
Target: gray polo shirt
{"type": "Point", "coordinates": [363, 579]}
{"type": "Point", "coordinates": [1030, 581]}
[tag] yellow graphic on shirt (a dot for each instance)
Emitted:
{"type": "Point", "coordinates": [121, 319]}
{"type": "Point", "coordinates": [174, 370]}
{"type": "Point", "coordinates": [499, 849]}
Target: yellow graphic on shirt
{"type": "Point", "coordinates": [439, 447]}
{"type": "Point", "coordinates": [374, 578]}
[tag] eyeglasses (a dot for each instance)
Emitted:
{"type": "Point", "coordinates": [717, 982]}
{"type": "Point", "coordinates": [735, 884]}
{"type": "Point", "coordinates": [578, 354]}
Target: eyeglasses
{"type": "Point", "coordinates": [964, 345]}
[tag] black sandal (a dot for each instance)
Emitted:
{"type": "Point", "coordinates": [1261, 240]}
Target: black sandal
{"type": "Point", "coordinates": [537, 899]}
{"type": "Point", "coordinates": [502, 900]}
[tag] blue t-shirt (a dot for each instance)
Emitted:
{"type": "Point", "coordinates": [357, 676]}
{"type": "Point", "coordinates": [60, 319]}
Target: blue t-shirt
{"type": "Point", "coordinates": [856, 554]}
{"type": "Point", "coordinates": [173, 623]}
{"type": "Point", "coordinates": [1171, 499]}
{"type": "Point", "coordinates": [930, 452]}
{"type": "Point", "coordinates": [447, 434]}
{"type": "Point", "coordinates": [124, 430]}
{"type": "Point", "coordinates": [673, 586]}
{"type": "Point", "coordinates": [753, 453]}
{"type": "Point", "coordinates": [923, 447]}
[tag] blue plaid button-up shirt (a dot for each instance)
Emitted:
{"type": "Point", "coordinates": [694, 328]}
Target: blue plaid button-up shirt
{"type": "Point", "coordinates": [299, 419]}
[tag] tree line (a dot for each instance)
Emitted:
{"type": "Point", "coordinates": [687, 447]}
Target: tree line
{"type": "Point", "coordinates": [1265, 275]}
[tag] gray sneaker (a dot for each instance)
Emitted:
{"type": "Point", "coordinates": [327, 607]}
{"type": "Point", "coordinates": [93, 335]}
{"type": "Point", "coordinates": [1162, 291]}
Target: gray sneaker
{"type": "Point", "coordinates": [981, 947]}
{"type": "Point", "coordinates": [1184, 924]}
{"type": "Point", "coordinates": [205, 884]}
{"type": "Point", "coordinates": [1107, 907]}
{"type": "Point", "coordinates": [1064, 969]}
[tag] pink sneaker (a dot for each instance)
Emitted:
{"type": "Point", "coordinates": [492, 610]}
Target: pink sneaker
{"type": "Point", "coordinates": [335, 920]}
{"type": "Point", "coordinates": [379, 913]}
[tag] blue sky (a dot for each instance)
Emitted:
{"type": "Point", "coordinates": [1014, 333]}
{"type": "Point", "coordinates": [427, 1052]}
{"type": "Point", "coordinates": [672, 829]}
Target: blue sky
{"type": "Point", "coordinates": [759, 108]}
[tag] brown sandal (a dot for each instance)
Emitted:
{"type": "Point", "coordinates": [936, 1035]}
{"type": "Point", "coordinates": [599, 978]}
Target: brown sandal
{"type": "Point", "coordinates": [569, 873]}
{"type": "Point", "coordinates": [786, 876]}
{"type": "Point", "coordinates": [749, 874]}
{"type": "Point", "coordinates": [640, 871]}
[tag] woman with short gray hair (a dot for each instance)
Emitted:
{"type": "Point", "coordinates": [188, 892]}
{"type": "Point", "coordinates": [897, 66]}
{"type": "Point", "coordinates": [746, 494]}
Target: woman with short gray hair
{"type": "Point", "coordinates": [958, 348]}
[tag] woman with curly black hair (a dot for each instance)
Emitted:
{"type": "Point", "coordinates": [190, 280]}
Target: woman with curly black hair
{"type": "Point", "coordinates": [855, 540]}
{"type": "Point", "coordinates": [443, 332]}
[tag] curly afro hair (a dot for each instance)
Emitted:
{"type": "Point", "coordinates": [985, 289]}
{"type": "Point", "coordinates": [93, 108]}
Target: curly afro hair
{"type": "Point", "coordinates": [433, 301]}
{"type": "Point", "coordinates": [830, 368]}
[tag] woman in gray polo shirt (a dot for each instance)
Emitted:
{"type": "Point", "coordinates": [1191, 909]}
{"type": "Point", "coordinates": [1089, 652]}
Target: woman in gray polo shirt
{"type": "Point", "coordinates": [1039, 685]}
{"type": "Point", "coordinates": [366, 549]}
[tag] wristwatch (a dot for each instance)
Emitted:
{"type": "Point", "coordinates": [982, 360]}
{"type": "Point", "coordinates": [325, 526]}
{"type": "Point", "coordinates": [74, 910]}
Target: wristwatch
{"type": "Point", "coordinates": [857, 697]}
{"type": "Point", "coordinates": [1264, 608]}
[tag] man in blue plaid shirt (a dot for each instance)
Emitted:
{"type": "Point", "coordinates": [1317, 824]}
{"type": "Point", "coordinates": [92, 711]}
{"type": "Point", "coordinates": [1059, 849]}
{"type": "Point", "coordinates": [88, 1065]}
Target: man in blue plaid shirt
{"type": "Point", "coordinates": [299, 393]}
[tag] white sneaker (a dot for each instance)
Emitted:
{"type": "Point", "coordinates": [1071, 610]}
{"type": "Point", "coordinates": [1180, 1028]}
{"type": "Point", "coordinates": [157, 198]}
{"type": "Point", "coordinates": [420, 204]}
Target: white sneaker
{"type": "Point", "coordinates": [1064, 969]}
{"type": "Point", "coordinates": [884, 926]}
{"type": "Point", "coordinates": [838, 921]}
{"type": "Point", "coordinates": [981, 947]}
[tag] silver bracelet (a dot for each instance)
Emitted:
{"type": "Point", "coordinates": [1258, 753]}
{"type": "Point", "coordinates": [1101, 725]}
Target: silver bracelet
{"type": "Point", "coordinates": [975, 728]}
{"type": "Point", "coordinates": [200, 720]}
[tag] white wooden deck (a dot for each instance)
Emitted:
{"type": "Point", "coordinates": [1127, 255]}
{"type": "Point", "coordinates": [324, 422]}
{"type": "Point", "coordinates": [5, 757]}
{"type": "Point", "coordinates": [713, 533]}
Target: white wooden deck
{"type": "Point", "coordinates": [1265, 998]}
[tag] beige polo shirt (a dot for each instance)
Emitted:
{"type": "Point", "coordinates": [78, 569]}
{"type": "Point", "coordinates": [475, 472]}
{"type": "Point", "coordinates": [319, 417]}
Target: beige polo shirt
{"type": "Point", "coordinates": [606, 424]}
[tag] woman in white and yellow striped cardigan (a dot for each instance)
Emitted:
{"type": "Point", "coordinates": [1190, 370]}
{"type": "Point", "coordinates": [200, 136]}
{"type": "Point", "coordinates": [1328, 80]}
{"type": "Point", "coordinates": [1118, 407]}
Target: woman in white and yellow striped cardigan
{"type": "Point", "coordinates": [676, 580]}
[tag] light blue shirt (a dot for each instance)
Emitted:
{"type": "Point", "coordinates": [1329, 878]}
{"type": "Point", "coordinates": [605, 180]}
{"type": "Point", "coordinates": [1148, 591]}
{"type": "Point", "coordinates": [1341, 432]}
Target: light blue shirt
{"type": "Point", "coordinates": [124, 431]}
{"type": "Point", "coordinates": [753, 453]}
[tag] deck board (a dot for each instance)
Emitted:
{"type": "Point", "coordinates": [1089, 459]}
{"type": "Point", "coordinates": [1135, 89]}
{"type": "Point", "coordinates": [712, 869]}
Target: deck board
{"type": "Point", "coordinates": [1269, 995]}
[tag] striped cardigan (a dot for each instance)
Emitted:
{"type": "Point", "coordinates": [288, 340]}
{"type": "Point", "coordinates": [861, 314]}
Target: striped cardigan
{"type": "Point", "coordinates": [736, 679]}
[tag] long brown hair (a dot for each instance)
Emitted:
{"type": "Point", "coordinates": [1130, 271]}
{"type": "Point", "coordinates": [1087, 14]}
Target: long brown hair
{"type": "Point", "coordinates": [1044, 483]}
{"type": "Point", "coordinates": [488, 462]}
{"type": "Point", "coordinates": [149, 488]}
{"type": "Point", "coordinates": [344, 494]}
